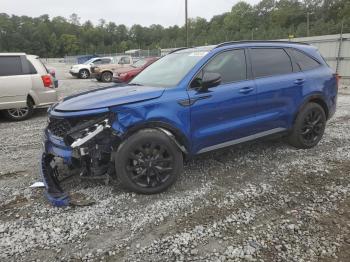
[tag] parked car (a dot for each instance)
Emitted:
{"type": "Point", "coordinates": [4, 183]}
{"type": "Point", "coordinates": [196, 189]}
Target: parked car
{"type": "Point", "coordinates": [104, 73]}
{"type": "Point", "coordinates": [189, 102]}
{"type": "Point", "coordinates": [25, 84]}
{"type": "Point", "coordinates": [125, 75]}
{"type": "Point", "coordinates": [83, 71]}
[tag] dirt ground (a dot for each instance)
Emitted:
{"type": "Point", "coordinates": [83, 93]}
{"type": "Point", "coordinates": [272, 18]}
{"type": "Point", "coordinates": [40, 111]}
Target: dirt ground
{"type": "Point", "coordinates": [259, 201]}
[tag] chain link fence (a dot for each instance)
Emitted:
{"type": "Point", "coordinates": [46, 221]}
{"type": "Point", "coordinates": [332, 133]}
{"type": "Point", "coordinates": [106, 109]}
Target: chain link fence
{"type": "Point", "coordinates": [335, 49]}
{"type": "Point", "coordinates": [137, 54]}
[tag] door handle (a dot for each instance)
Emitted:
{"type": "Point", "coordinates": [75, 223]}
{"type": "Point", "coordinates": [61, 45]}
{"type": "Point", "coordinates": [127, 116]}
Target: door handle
{"type": "Point", "coordinates": [246, 90]}
{"type": "Point", "coordinates": [299, 81]}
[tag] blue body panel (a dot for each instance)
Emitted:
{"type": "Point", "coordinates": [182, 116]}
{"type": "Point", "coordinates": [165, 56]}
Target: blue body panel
{"type": "Point", "coordinates": [225, 114]}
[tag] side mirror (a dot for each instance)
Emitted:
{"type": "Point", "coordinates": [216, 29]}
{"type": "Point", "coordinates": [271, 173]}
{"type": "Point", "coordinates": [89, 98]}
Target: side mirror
{"type": "Point", "coordinates": [210, 80]}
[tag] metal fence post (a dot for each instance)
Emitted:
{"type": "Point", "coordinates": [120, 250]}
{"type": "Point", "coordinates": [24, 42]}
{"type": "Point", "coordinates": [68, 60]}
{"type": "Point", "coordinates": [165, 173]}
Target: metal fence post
{"type": "Point", "coordinates": [339, 48]}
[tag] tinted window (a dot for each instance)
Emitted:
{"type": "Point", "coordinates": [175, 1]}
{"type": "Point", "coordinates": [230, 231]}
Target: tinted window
{"type": "Point", "coordinates": [97, 62]}
{"type": "Point", "coordinates": [106, 61]}
{"type": "Point", "coordinates": [231, 65]}
{"type": "Point", "coordinates": [10, 65]}
{"type": "Point", "coordinates": [270, 61]}
{"type": "Point", "coordinates": [305, 62]}
{"type": "Point", "coordinates": [28, 68]}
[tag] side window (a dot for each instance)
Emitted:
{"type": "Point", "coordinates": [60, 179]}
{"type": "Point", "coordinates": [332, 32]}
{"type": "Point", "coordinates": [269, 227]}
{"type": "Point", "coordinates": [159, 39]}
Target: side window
{"type": "Point", "coordinates": [10, 66]}
{"type": "Point", "coordinates": [231, 65]}
{"type": "Point", "coordinates": [105, 61]}
{"type": "Point", "coordinates": [97, 62]}
{"type": "Point", "coordinates": [270, 62]}
{"type": "Point", "coordinates": [124, 60]}
{"type": "Point", "coordinates": [305, 62]}
{"type": "Point", "coordinates": [32, 70]}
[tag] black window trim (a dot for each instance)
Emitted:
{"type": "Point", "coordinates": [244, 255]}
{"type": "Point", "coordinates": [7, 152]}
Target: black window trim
{"type": "Point", "coordinates": [270, 47]}
{"type": "Point", "coordinates": [248, 67]}
{"type": "Point", "coordinates": [304, 53]}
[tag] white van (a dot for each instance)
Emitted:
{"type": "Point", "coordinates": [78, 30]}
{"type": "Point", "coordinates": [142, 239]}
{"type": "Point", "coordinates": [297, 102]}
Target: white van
{"type": "Point", "coordinates": [25, 83]}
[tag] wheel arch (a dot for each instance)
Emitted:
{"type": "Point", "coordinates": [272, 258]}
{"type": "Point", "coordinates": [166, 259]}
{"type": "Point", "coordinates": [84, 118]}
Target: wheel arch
{"type": "Point", "coordinates": [314, 98]}
{"type": "Point", "coordinates": [174, 133]}
{"type": "Point", "coordinates": [107, 71]}
{"type": "Point", "coordinates": [33, 97]}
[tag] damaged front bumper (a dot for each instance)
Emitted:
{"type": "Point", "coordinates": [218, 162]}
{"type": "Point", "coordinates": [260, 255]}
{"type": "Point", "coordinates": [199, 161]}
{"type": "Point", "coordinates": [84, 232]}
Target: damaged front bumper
{"type": "Point", "coordinates": [53, 147]}
{"type": "Point", "coordinates": [76, 153]}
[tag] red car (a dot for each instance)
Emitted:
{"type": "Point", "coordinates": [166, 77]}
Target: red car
{"type": "Point", "coordinates": [126, 74]}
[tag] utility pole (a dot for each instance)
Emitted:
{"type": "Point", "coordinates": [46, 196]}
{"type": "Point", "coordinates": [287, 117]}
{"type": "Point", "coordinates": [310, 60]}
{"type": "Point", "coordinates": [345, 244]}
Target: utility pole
{"type": "Point", "coordinates": [308, 24]}
{"type": "Point", "coordinates": [186, 24]}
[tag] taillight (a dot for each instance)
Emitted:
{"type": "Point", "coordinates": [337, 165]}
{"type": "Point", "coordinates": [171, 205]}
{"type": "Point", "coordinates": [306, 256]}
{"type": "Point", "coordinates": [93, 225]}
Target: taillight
{"type": "Point", "coordinates": [47, 81]}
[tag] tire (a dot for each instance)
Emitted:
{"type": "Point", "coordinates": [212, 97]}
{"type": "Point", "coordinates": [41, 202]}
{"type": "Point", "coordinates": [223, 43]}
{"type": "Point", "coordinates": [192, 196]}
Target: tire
{"type": "Point", "coordinates": [84, 74]}
{"type": "Point", "coordinates": [146, 171]}
{"type": "Point", "coordinates": [309, 127]}
{"type": "Point", "coordinates": [107, 77]}
{"type": "Point", "coordinates": [20, 114]}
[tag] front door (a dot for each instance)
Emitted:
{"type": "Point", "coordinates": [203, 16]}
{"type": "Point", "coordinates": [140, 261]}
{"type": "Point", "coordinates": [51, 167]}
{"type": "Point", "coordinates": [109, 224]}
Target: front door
{"type": "Point", "coordinates": [226, 112]}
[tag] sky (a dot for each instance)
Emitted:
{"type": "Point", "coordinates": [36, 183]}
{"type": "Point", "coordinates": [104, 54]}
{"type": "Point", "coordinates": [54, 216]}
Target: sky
{"type": "Point", "coordinates": [128, 12]}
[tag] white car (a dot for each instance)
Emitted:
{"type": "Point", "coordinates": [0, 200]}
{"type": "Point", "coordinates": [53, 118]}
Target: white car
{"type": "Point", "coordinates": [83, 71]}
{"type": "Point", "coordinates": [25, 84]}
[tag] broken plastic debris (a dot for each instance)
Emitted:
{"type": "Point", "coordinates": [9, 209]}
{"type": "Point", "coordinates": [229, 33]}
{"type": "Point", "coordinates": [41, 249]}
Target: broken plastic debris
{"type": "Point", "coordinates": [37, 185]}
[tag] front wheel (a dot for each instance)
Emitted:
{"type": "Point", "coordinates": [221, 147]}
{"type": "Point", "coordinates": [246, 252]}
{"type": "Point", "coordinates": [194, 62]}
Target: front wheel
{"type": "Point", "coordinates": [148, 162]}
{"type": "Point", "coordinates": [84, 74]}
{"type": "Point", "coordinates": [309, 127]}
{"type": "Point", "coordinates": [20, 114]}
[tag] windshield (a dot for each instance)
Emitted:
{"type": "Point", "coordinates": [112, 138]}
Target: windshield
{"type": "Point", "coordinates": [139, 63]}
{"type": "Point", "coordinates": [169, 70]}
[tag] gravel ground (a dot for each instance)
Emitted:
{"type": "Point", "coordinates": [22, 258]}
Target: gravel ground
{"type": "Point", "coordinates": [261, 201]}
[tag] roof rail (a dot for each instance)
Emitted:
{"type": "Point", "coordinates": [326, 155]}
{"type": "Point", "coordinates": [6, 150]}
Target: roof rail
{"type": "Point", "coordinates": [259, 41]}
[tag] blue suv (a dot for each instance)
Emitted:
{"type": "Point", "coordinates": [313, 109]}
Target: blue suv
{"type": "Point", "coordinates": [191, 101]}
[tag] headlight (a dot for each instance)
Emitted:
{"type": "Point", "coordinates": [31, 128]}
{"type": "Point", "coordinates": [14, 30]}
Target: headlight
{"type": "Point", "coordinates": [82, 136]}
{"type": "Point", "coordinates": [84, 132]}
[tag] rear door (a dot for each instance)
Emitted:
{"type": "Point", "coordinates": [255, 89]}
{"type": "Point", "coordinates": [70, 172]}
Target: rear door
{"type": "Point", "coordinates": [279, 85]}
{"type": "Point", "coordinates": [226, 112]}
{"type": "Point", "coordinates": [15, 84]}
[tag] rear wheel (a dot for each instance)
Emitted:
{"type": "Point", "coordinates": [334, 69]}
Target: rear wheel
{"type": "Point", "coordinates": [20, 114]}
{"type": "Point", "coordinates": [107, 77]}
{"type": "Point", "coordinates": [84, 74]}
{"type": "Point", "coordinates": [148, 162]}
{"type": "Point", "coordinates": [309, 127]}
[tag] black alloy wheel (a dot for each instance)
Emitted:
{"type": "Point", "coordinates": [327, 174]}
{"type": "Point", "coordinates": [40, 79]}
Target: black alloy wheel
{"type": "Point", "coordinates": [148, 162]}
{"type": "Point", "coordinates": [150, 165]}
{"type": "Point", "coordinates": [312, 127]}
{"type": "Point", "coordinates": [309, 127]}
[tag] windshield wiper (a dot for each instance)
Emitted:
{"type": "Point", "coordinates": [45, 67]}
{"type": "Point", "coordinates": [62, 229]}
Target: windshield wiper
{"type": "Point", "coordinates": [134, 84]}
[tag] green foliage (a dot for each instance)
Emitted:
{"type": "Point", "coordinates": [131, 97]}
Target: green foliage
{"type": "Point", "coordinates": [269, 19]}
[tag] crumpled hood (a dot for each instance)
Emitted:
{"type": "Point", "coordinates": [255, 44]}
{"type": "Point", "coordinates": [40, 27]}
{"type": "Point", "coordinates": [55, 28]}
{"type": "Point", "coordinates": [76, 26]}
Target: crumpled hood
{"type": "Point", "coordinates": [108, 97]}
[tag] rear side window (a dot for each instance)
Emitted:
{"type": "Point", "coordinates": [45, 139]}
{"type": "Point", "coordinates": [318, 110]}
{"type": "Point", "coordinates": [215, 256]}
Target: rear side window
{"type": "Point", "coordinates": [304, 61]}
{"type": "Point", "coordinates": [231, 65]}
{"type": "Point", "coordinates": [10, 66]}
{"type": "Point", "coordinates": [32, 69]}
{"type": "Point", "coordinates": [270, 62]}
